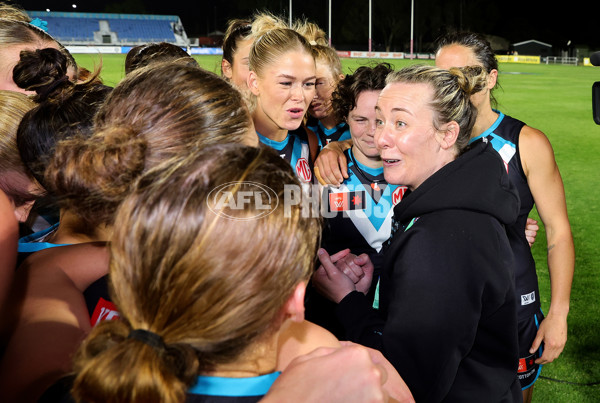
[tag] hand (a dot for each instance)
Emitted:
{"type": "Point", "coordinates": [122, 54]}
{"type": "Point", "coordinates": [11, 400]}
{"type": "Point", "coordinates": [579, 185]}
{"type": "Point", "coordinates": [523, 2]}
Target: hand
{"type": "Point", "coordinates": [553, 332]}
{"type": "Point", "coordinates": [329, 280]}
{"type": "Point", "coordinates": [359, 269]}
{"type": "Point", "coordinates": [331, 167]}
{"type": "Point", "coordinates": [531, 230]}
{"type": "Point", "coordinates": [394, 384]}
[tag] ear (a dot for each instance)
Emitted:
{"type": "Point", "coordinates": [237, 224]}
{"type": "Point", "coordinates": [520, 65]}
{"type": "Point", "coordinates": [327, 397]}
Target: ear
{"type": "Point", "coordinates": [294, 306]}
{"type": "Point", "coordinates": [22, 212]}
{"type": "Point", "coordinates": [448, 134]}
{"type": "Point", "coordinates": [226, 69]}
{"type": "Point", "coordinates": [492, 79]}
{"type": "Point", "coordinates": [252, 82]}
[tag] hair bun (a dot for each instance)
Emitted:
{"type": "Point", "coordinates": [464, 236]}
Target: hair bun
{"type": "Point", "coordinates": [42, 70]}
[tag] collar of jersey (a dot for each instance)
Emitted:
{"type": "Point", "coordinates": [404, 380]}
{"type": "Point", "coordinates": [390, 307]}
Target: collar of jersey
{"type": "Point", "coordinates": [490, 129]}
{"type": "Point", "coordinates": [220, 386]}
{"type": "Point", "coordinates": [333, 129]}
{"type": "Point", "coordinates": [371, 171]}
{"type": "Point", "coordinates": [273, 143]}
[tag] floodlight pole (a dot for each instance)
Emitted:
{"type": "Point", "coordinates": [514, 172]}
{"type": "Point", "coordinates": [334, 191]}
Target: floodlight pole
{"type": "Point", "coordinates": [329, 23]}
{"type": "Point", "coordinates": [290, 13]}
{"type": "Point", "coordinates": [370, 15]}
{"type": "Point", "coordinates": [412, 27]}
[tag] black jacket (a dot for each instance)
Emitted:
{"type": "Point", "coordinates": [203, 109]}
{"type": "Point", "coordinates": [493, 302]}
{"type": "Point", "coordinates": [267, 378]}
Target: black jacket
{"type": "Point", "coordinates": [447, 318]}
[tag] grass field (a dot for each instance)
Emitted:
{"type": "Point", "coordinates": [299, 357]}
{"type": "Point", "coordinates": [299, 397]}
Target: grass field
{"type": "Point", "coordinates": [557, 100]}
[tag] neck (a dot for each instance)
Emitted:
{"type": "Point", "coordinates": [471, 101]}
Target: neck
{"type": "Point", "coordinates": [258, 359]}
{"type": "Point", "coordinates": [329, 121]}
{"type": "Point", "coordinates": [485, 119]}
{"type": "Point", "coordinates": [71, 230]}
{"type": "Point", "coordinates": [266, 127]}
{"type": "Point", "coordinates": [371, 162]}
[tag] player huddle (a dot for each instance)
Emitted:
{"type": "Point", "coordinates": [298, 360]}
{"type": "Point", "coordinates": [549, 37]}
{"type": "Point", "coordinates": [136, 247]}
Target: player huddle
{"type": "Point", "coordinates": [421, 247]}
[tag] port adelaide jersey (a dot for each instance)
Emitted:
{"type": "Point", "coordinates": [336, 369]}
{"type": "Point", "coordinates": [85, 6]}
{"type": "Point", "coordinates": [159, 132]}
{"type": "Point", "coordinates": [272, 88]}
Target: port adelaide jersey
{"type": "Point", "coordinates": [359, 213]}
{"type": "Point", "coordinates": [295, 150]}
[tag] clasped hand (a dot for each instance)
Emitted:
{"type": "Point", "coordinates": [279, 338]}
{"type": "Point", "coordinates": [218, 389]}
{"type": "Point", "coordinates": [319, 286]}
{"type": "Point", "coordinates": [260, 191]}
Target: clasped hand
{"type": "Point", "coordinates": [341, 273]}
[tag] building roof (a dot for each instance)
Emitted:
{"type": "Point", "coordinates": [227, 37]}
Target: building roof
{"type": "Point", "coordinates": [532, 41]}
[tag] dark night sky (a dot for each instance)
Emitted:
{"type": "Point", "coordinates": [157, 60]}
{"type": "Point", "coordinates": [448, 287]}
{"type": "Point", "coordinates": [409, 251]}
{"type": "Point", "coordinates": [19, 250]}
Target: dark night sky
{"type": "Point", "coordinates": [513, 20]}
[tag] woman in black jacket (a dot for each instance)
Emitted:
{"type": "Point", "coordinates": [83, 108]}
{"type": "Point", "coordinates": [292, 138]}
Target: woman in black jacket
{"type": "Point", "coordinates": [445, 315]}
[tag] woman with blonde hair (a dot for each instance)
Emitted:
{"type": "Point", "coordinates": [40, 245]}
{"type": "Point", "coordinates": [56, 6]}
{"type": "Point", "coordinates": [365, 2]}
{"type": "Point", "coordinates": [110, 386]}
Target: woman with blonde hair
{"type": "Point", "coordinates": [282, 80]}
{"type": "Point", "coordinates": [16, 181]}
{"type": "Point", "coordinates": [446, 313]}
{"type": "Point", "coordinates": [531, 166]}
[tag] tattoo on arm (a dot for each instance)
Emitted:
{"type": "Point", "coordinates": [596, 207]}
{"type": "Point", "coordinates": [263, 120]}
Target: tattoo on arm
{"type": "Point", "coordinates": [550, 247]}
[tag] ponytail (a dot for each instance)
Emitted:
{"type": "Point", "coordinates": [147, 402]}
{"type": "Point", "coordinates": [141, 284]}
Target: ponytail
{"type": "Point", "coordinates": [155, 373]}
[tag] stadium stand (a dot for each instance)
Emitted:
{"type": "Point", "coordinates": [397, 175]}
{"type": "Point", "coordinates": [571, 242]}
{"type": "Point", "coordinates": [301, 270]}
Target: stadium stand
{"type": "Point", "coordinates": [113, 29]}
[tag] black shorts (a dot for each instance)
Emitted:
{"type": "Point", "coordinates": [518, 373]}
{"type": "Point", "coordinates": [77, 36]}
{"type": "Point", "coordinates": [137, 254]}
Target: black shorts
{"type": "Point", "coordinates": [529, 371]}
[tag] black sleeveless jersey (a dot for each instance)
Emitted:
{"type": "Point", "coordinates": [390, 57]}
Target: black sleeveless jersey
{"type": "Point", "coordinates": [504, 137]}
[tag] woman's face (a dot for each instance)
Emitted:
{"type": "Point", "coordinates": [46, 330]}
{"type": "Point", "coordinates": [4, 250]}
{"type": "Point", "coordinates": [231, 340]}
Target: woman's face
{"type": "Point", "coordinates": [237, 72]}
{"type": "Point", "coordinates": [9, 57]}
{"type": "Point", "coordinates": [320, 107]}
{"type": "Point", "coordinates": [362, 123]}
{"type": "Point", "coordinates": [405, 136]}
{"type": "Point", "coordinates": [284, 90]}
{"type": "Point", "coordinates": [455, 55]}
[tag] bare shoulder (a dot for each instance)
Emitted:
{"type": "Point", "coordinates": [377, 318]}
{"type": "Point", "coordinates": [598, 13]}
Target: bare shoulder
{"type": "Point", "coordinates": [81, 263]}
{"type": "Point", "coordinates": [535, 150]}
{"type": "Point", "coordinates": [301, 338]}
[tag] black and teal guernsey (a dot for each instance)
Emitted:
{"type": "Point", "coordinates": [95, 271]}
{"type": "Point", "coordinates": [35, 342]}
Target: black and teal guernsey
{"type": "Point", "coordinates": [503, 135]}
{"type": "Point", "coordinates": [294, 149]}
{"type": "Point", "coordinates": [340, 132]}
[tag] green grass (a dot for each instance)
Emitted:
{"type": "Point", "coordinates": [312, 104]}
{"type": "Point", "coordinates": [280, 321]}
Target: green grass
{"type": "Point", "coordinates": [556, 100]}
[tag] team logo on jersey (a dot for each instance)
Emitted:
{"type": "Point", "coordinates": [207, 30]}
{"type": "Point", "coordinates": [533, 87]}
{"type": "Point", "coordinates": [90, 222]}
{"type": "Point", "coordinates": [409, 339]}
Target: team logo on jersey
{"type": "Point", "coordinates": [527, 299]}
{"type": "Point", "coordinates": [105, 310]}
{"type": "Point", "coordinates": [347, 201]}
{"type": "Point", "coordinates": [398, 194]}
{"type": "Point", "coordinates": [303, 170]}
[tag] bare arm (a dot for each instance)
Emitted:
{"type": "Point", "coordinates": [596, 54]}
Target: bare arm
{"type": "Point", "coordinates": [546, 185]}
{"type": "Point", "coordinates": [50, 318]}
{"type": "Point", "coordinates": [9, 235]}
{"type": "Point", "coordinates": [331, 166]}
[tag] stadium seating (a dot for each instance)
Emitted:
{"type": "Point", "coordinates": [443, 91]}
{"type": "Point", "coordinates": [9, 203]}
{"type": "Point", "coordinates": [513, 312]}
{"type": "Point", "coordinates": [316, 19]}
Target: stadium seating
{"type": "Point", "coordinates": [119, 29]}
{"type": "Point", "coordinates": [131, 30]}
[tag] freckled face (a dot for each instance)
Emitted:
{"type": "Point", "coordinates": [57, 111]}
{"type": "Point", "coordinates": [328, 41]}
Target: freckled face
{"type": "Point", "coordinates": [405, 135]}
